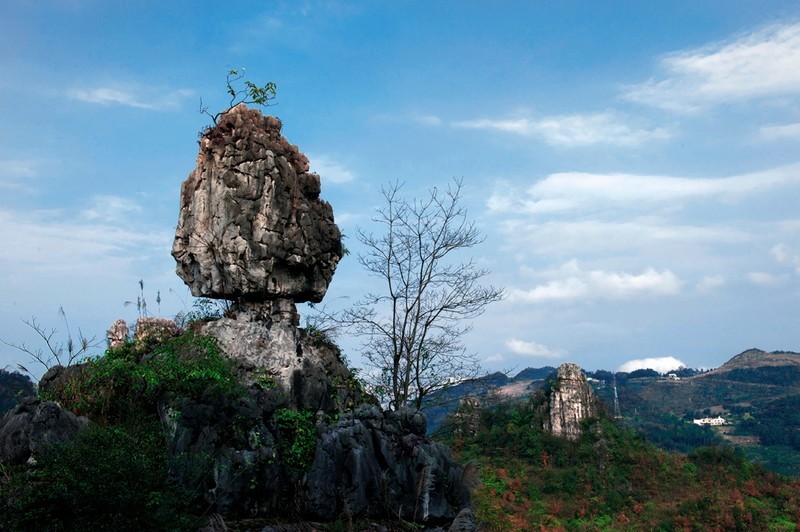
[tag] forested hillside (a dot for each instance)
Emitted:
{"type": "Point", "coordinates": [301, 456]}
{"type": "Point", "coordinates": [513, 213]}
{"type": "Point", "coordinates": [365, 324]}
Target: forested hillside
{"type": "Point", "coordinates": [610, 479]}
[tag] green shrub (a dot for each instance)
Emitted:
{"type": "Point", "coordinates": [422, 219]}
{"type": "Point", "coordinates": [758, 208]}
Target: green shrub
{"type": "Point", "coordinates": [107, 478]}
{"type": "Point", "coordinates": [298, 438]}
{"type": "Point", "coordinates": [125, 382]}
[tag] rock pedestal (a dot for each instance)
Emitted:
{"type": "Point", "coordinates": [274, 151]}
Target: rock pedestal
{"type": "Point", "coordinates": [271, 349]}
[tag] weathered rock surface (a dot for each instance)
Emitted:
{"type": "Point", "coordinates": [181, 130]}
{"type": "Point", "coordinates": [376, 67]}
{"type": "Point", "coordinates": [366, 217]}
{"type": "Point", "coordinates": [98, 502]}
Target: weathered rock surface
{"type": "Point", "coordinates": [155, 329]}
{"type": "Point", "coordinates": [374, 463]}
{"type": "Point", "coordinates": [571, 400]}
{"type": "Point", "coordinates": [252, 225]}
{"type": "Point", "coordinates": [118, 334]}
{"type": "Point", "coordinates": [307, 370]}
{"type": "Point", "coordinates": [368, 463]}
{"type": "Point", "coordinates": [297, 437]}
{"type": "Point", "coordinates": [34, 424]}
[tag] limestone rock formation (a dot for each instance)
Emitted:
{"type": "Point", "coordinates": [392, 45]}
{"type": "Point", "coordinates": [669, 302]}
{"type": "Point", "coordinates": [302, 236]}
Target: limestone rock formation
{"type": "Point", "coordinates": [155, 329]}
{"type": "Point", "coordinates": [34, 424]}
{"type": "Point", "coordinates": [367, 463]}
{"type": "Point", "coordinates": [307, 371]}
{"type": "Point", "coordinates": [570, 401]}
{"type": "Point", "coordinates": [371, 461]}
{"type": "Point", "coordinates": [296, 436]}
{"type": "Point", "coordinates": [252, 226]}
{"type": "Point", "coordinates": [118, 334]}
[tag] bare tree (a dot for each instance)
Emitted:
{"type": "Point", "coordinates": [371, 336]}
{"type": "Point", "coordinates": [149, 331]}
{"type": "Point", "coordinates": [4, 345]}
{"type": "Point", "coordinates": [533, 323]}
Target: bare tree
{"type": "Point", "coordinates": [54, 354]}
{"type": "Point", "coordinates": [413, 328]}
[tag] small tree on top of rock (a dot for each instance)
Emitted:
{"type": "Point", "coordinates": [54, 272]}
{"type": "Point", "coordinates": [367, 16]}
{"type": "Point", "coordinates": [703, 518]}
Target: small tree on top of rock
{"type": "Point", "coordinates": [413, 328]}
{"type": "Point", "coordinates": [251, 93]}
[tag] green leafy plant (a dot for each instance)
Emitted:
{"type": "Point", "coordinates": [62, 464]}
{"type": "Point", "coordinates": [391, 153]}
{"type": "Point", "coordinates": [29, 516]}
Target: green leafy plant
{"type": "Point", "coordinates": [105, 477]}
{"type": "Point", "coordinates": [249, 94]}
{"type": "Point", "coordinates": [298, 438]}
{"type": "Point", "coordinates": [117, 385]}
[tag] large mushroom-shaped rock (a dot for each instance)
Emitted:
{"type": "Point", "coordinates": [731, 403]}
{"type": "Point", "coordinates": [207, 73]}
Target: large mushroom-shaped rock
{"type": "Point", "coordinates": [252, 226]}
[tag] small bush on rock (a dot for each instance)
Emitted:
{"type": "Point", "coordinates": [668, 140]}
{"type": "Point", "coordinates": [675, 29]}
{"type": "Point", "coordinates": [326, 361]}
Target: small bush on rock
{"type": "Point", "coordinates": [298, 438]}
{"type": "Point", "coordinates": [134, 378]}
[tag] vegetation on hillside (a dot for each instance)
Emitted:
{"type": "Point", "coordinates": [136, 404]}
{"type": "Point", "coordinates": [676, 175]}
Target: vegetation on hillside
{"type": "Point", "coordinates": [611, 479]}
{"type": "Point", "coordinates": [758, 402]}
{"type": "Point", "coordinates": [117, 470]}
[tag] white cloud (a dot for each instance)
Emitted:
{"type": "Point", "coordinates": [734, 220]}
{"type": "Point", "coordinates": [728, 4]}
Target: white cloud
{"type": "Point", "coordinates": [624, 285]}
{"type": "Point", "coordinates": [568, 237]}
{"type": "Point", "coordinates": [710, 282]}
{"type": "Point", "coordinates": [533, 349]}
{"type": "Point", "coordinates": [18, 168]}
{"type": "Point", "coordinates": [329, 170]}
{"type": "Point", "coordinates": [577, 284]}
{"type": "Point", "coordinates": [14, 173]}
{"type": "Point", "coordinates": [428, 120]}
{"type": "Point", "coordinates": [782, 131]}
{"type": "Point", "coordinates": [520, 126]}
{"type": "Point", "coordinates": [786, 256]}
{"type": "Point", "coordinates": [52, 243]}
{"type": "Point", "coordinates": [152, 100]}
{"type": "Point", "coordinates": [763, 278]}
{"type": "Point", "coordinates": [565, 289]}
{"type": "Point", "coordinates": [660, 364]}
{"type": "Point", "coordinates": [578, 190]}
{"type": "Point", "coordinates": [109, 208]}
{"type": "Point", "coordinates": [764, 63]}
{"type": "Point", "coordinates": [571, 130]}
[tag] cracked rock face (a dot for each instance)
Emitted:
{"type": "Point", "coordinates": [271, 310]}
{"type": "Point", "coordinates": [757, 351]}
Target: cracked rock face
{"type": "Point", "coordinates": [252, 225]}
{"type": "Point", "coordinates": [571, 401]}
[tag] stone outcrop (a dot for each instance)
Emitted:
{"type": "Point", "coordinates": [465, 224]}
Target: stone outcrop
{"type": "Point", "coordinates": [308, 371]}
{"type": "Point", "coordinates": [371, 461]}
{"type": "Point", "coordinates": [252, 225]}
{"type": "Point", "coordinates": [253, 229]}
{"type": "Point", "coordinates": [33, 424]}
{"type": "Point", "coordinates": [296, 436]}
{"type": "Point", "coordinates": [154, 329]}
{"type": "Point", "coordinates": [118, 334]}
{"type": "Point", "coordinates": [570, 400]}
{"type": "Point", "coordinates": [367, 463]}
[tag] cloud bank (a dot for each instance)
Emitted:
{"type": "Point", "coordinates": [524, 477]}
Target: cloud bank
{"type": "Point", "coordinates": [660, 364]}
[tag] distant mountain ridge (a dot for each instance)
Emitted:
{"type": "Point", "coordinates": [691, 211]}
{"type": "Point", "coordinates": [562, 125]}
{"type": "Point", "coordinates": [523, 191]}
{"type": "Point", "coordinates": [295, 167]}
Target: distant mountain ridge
{"type": "Point", "coordinates": [754, 358]}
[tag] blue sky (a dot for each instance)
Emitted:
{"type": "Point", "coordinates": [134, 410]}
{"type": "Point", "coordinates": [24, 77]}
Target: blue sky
{"type": "Point", "coordinates": [635, 166]}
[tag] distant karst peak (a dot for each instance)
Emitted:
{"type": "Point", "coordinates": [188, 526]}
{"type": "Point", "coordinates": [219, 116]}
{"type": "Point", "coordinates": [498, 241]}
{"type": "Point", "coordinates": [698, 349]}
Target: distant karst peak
{"type": "Point", "coordinates": [571, 400]}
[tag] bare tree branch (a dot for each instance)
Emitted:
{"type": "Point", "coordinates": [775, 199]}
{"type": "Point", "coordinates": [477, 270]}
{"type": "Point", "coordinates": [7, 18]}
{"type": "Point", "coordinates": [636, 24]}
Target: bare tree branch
{"type": "Point", "coordinates": [412, 331]}
{"type": "Point", "coordinates": [54, 352]}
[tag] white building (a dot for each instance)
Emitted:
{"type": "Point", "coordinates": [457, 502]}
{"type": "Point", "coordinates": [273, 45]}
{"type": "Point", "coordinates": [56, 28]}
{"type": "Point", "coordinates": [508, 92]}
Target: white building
{"type": "Point", "coordinates": [714, 421]}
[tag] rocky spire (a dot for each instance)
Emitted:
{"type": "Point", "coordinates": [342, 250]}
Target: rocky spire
{"type": "Point", "coordinates": [571, 400]}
